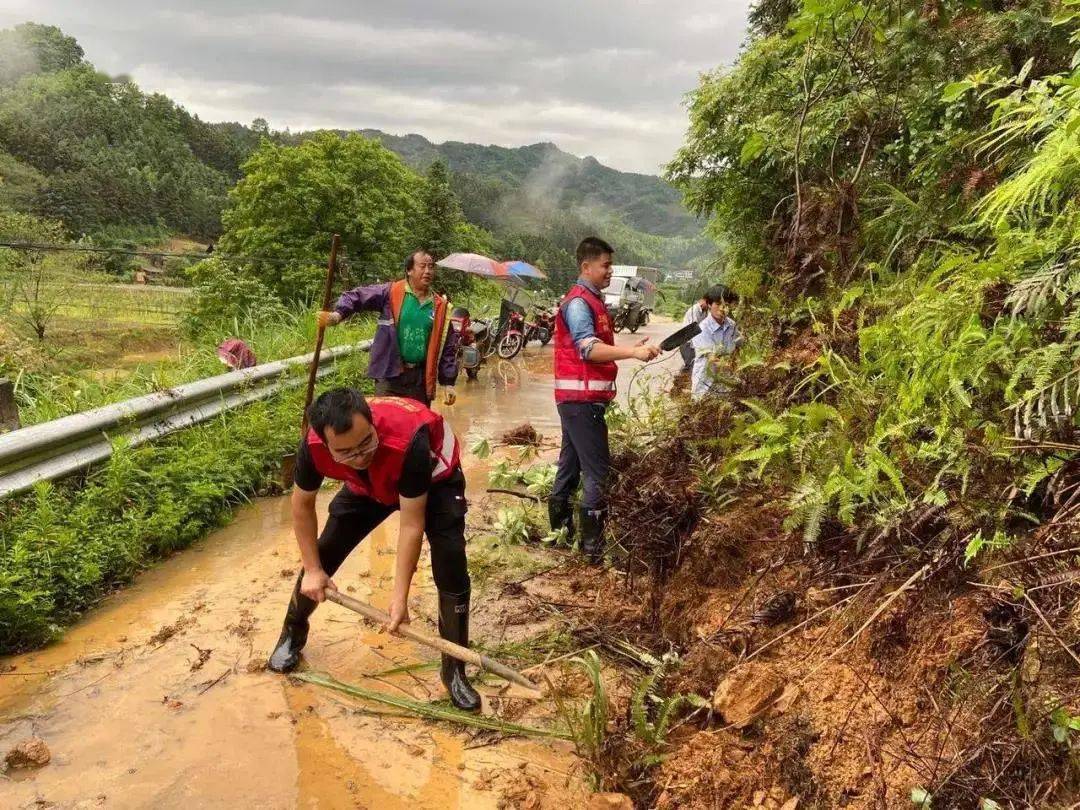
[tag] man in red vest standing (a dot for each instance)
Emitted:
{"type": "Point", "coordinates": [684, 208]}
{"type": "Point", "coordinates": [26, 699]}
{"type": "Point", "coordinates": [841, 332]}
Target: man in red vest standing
{"type": "Point", "coordinates": [585, 371]}
{"type": "Point", "coordinates": [391, 453]}
{"type": "Point", "coordinates": [414, 347]}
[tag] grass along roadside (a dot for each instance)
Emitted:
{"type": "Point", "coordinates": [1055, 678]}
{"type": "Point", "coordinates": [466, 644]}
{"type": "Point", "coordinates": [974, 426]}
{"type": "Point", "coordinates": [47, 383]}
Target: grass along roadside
{"type": "Point", "coordinates": [66, 544]}
{"type": "Point", "coordinates": [90, 366]}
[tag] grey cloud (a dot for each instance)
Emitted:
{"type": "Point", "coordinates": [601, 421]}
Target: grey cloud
{"type": "Point", "coordinates": [597, 77]}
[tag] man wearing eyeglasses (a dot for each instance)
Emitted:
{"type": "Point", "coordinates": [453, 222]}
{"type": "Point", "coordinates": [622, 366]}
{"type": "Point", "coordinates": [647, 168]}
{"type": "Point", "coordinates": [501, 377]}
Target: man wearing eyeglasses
{"type": "Point", "coordinates": [415, 347]}
{"type": "Point", "coordinates": [392, 454]}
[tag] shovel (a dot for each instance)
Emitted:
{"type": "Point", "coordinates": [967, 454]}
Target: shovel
{"type": "Point", "coordinates": [436, 643]}
{"type": "Point", "coordinates": [677, 339]}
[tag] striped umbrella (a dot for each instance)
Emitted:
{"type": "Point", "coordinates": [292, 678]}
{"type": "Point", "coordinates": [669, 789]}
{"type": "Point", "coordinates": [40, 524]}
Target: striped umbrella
{"type": "Point", "coordinates": [483, 266]}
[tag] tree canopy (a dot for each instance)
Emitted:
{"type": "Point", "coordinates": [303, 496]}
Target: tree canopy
{"type": "Point", "coordinates": [292, 199]}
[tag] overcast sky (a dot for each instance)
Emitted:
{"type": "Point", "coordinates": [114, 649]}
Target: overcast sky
{"type": "Point", "coordinates": [602, 78]}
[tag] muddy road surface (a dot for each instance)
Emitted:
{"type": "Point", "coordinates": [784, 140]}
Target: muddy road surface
{"type": "Point", "coordinates": [158, 697]}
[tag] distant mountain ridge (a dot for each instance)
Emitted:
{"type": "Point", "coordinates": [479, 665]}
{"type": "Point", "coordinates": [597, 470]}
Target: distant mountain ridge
{"type": "Point", "coordinates": [545, 172]}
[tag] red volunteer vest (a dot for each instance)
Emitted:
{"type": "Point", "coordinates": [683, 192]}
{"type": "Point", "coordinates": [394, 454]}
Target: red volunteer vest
{"type": "Point", "coordinates": [575, 379]}
{"type": "Point", "coordinates": [396, 422]}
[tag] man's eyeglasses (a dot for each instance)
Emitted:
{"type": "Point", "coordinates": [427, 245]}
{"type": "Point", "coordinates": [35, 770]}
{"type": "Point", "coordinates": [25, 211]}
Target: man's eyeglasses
{"type": "Point", "coordinates": [367, 446]}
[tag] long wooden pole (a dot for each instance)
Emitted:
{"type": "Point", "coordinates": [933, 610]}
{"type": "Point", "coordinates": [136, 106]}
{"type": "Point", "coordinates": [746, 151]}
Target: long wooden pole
{"type": "Point", "coordinates": [440, 644]}
{"type": "Point", "coordinates": [328, 292]}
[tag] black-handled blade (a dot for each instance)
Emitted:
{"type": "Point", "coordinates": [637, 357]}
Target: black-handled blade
{"type": "Point", "coordinates": [677, 339]}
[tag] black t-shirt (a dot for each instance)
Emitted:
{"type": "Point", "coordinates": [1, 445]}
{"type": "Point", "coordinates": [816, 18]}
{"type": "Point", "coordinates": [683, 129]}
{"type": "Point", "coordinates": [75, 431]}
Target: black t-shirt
{"type": "Point", "coordinates": [415, 470]}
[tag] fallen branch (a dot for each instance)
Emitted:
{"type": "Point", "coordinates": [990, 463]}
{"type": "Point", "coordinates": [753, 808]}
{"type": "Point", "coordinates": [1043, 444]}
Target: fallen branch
{"type": "Point", "coordinates": [873, 616]}
{"type": "Point", "coordinates": [211, 684]}
{"type": "Point", "coordinates": [432, 711]}
{"type": "Point", "coordinates": [526, 495]}
{"type": "Point", "coordinates": [788, 632]}
{"type": "Point", "coordinates": [549, 661]}
{"type": "Point", "coordinates": [1031, 559]}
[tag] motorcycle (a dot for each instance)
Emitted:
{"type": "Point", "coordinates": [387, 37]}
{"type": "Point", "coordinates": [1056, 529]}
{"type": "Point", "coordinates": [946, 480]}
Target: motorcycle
{"type": "Point", "coordinates": [629, 316]}
{"type": "Point", "coordinates": [474, 338]}
{"type": "Point", "coordinates": [512, 339]}
{"type": "Point", "coordinates": [542, 327]}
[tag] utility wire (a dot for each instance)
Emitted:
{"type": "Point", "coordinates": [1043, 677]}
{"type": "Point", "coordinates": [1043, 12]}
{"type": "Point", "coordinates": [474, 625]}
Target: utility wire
{"type": "Point", "coordinates": [56, 248]}
{"type": "Point", "coordinates": [236, 257]}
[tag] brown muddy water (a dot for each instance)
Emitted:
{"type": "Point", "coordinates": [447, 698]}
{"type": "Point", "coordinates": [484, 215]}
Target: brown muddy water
{"type": "Point", "coordinates": [157, 698]}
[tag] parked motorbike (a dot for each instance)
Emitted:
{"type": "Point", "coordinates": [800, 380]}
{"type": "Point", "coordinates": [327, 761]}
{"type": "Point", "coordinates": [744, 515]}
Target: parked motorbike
{"type": "Point", "coordinates": [542, 327]}
{"type": "Point", "coordinates": [512, 339]}
{"type": "Point", "coordinates": [629, 316]}
{"type": "Point", "coordinates": [471, 337]}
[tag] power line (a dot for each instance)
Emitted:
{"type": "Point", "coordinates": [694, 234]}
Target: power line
{"type": "Point", "coordinates": [235, 257]}
{"type": "Point", "coordinates": [57, 248]}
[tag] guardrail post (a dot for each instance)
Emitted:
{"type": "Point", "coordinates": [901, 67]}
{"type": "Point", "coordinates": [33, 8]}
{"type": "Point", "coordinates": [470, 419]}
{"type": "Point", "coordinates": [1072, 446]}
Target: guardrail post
{"type": "Point", "coordinates": [9, 410]}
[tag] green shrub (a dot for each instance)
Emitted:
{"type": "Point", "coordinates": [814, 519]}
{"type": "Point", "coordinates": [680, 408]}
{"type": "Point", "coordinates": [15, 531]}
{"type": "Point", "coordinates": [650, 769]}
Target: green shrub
{"type": "Point", "coordinates": [224, 295]}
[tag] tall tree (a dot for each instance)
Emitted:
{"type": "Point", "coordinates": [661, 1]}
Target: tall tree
{"type": "Point", "coordinates": [293, 199]}
{"type": "Point", "coordinates": [33, 285]}
{"type": "Point", "coordinates": [33, 48]}
{"type": "Point", "coordinates": [440, 212]}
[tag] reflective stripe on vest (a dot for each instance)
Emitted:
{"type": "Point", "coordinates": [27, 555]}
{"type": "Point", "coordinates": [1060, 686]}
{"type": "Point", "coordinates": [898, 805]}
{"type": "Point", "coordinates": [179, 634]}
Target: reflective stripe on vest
{"type": "Point", "coordinates": [445, 455]}
{"type": "Point", "coordinates": [581, 385]}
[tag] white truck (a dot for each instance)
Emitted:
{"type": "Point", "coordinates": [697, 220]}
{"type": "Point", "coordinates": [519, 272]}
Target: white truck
{"type": "Point", "coordinates": [631, 296]}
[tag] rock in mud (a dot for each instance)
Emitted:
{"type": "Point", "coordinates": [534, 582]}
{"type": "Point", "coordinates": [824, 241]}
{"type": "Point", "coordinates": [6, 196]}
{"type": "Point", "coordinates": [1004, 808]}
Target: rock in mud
{"type": "Point", "coordinates": [30, 753]}
{"type": "Point", "coordinates": [747, 692]}
{"type": "Point", "coordinates": [610, 801]}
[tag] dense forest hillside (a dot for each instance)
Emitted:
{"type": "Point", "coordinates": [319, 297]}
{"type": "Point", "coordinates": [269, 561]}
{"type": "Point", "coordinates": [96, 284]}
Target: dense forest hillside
{"type": "Point", "coordinates": [893, 485]}
{"type": "Point", "coordinates": [541, 172]}
{"type": "Point", "coordinates": [107, 160]}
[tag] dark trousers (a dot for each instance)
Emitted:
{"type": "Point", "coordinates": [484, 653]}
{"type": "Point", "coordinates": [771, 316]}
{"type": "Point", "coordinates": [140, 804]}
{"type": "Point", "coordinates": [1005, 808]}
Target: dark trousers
{"type": "Point", "coordinates": [352, 518]}
{"type": "Point", "coordinates": [687, 352]}
{"type": "Point", "coordinates": [584, 453]}
{"type": "Point", "coordinates": [410, 384]}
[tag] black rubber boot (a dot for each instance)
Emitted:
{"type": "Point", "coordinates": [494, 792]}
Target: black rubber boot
{"type": "Point", "coordinates": [561, 516]}
{"type": "Point", "coordinates": [454, 626]}
{"type": "Point", "coordinates": [592, 533]}
{"type": "Point", "coordinates": [294, 632]}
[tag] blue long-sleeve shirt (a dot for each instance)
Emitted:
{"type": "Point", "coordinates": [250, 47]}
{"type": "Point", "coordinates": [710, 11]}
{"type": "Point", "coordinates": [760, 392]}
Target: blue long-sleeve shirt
{"type": "Point", "coordinates": [579, 320]}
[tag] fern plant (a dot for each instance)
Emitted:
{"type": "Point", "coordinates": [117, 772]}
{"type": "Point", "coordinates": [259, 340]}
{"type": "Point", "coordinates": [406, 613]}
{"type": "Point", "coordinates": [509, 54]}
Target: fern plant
{"type": "Point", "coordinates": [651, 713]}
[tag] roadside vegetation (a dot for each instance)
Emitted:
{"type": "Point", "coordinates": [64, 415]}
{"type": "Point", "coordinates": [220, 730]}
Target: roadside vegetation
{"type": "Point", "coordinates": [863, 560]}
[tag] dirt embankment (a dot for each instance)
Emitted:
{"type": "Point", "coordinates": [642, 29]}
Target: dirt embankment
{"type": "Point", "coordinates": [845, 673]}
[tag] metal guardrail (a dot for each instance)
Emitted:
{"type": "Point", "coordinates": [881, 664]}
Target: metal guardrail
{"type": "Point", "coordinates": [51, 450]}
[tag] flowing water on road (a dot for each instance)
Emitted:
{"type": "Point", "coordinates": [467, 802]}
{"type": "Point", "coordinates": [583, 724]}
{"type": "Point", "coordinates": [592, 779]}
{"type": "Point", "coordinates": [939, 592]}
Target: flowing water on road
{"type": "Point", "coordinates": [157, 698]}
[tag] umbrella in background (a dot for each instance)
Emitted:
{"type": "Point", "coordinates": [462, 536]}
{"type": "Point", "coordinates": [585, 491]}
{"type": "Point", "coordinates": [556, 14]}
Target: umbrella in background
{"type": "Point", "coordinates": [489, 268]}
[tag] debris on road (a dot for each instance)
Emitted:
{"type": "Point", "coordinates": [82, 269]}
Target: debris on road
{"type": "Point", "coordinates": [29, 753]}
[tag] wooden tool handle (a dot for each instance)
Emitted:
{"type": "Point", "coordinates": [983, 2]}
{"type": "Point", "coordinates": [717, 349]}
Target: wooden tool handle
{"type": "Point", "coordinates": [441, 644]}
{"type": "Point", "coordinates": [313, 372]}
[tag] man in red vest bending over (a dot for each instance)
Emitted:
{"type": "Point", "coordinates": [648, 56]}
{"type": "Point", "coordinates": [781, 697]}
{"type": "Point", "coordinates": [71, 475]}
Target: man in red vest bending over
{"type": "Point", "coordinates": [391, 453]}
{"type": "Point", "coordinates": [585, 371]}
